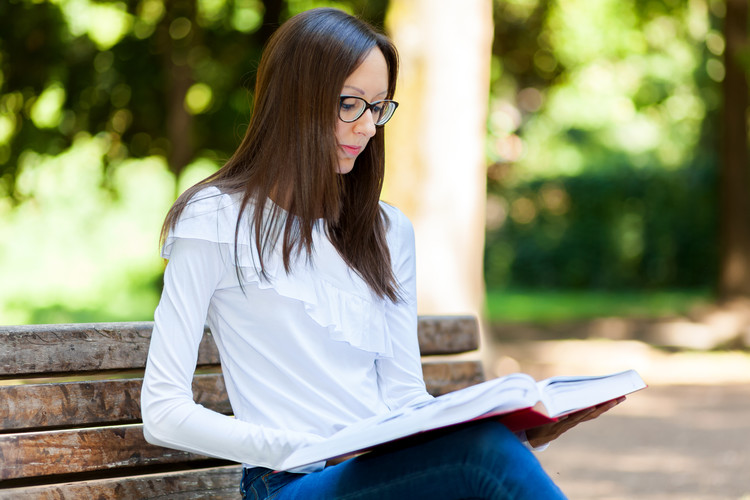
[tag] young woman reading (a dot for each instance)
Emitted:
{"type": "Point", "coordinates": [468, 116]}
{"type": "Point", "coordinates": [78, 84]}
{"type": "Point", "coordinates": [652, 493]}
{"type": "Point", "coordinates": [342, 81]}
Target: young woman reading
{"type": "Point", "coordinates": [307, 282]}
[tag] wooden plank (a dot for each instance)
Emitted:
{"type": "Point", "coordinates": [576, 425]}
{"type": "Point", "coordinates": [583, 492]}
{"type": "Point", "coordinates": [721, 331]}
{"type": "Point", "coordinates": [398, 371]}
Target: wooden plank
{"type": "Point", "coordinates": [33, 454]}
{"type": "Point", "coordinates": [443, 377]}
{"type": "Point", "coordinates": [34, 406]}
{"type": "Point", "coordinates": [41, 349]}
{"type": "Point", "coordinates": [448, 334]}
{"type": "Point", "coordinates": [83, 450]}
{"type": "Point", "coordinates": [217, 483]}
{"type": "Point", "coordinates": [92, 402]}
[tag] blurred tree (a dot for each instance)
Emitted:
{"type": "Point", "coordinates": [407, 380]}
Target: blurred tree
{"type": "Point", "coordinates": [602, 141]}
{"type": "Point", "coordinates": [109, 109]}
{"type": "Point", "coordinates": [436, 166]}
{"type": "Point", "coordinates": [157, 77]}
{"type": "Point", "coordinates": [734, 278]}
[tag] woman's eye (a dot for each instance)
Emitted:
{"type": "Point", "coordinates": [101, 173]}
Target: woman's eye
{"type": "Point", "coordinates": [346, 107]}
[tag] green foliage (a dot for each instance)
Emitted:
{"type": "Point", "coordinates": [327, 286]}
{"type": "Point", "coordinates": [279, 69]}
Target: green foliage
{"type": "Point", "coordinates": [577, 82]}
{"type": "Point", "coordinates": [74, 250]}
{"type": "Point", "coordinates": [621, 227]}
{"type": "Point", "coordinates": [107, 111]}
{"type": "Point", "coordinates": [545, 306]}
{"type": "Point", "coordinates": [601, 137]}
{"type": "Point", "coordinates": [602, 143]}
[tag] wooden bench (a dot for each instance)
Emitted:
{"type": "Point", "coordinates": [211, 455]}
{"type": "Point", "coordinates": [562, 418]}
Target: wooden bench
{"type": "Point", "coordinates": [70, 414]}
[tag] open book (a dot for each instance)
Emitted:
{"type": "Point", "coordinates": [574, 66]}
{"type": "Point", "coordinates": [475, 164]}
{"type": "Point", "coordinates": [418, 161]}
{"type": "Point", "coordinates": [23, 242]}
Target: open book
{"type": "Point", "coordinates": [517, 400]}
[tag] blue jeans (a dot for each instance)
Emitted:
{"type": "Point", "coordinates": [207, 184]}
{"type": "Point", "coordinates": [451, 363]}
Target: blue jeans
{"type": "Point", "coordinates": [481, 460]}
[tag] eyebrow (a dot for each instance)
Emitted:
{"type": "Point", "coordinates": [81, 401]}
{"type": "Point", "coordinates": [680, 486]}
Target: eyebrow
{"type": "Point", "coordinates": [362, 92]}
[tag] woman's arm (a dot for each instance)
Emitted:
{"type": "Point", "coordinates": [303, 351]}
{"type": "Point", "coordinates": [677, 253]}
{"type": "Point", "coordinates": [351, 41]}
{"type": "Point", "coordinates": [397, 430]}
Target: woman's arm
{"type": "Point", "coordinates": [171, 417]}
{"type": "Point", "coordinates": [400, 377]}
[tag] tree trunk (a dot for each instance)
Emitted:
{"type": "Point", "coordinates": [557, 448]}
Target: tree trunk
{"type": "Point", "coordinates": [271, 19]}
{"type": "Point", "coordinates": [436, 169]}
{"type": "Point", "coordinates": [179, 78]}
{"type": "Point", "coordinates": [734, 179]}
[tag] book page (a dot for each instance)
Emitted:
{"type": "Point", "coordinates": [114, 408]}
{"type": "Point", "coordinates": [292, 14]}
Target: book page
{"type": "Point", "coordinates": [496, 396]}
{"type": "Point", "coordinates": [562, 395]}
{"type": "Point", "coordinates": [512, 396]}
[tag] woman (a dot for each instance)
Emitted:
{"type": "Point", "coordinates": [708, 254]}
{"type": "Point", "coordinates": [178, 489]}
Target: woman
{"type": "Point", "coordinates": [307, 282]}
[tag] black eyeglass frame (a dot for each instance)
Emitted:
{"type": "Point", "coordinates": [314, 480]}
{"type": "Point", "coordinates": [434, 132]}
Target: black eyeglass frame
{"type": "Point", "coordinates": [368, 105]}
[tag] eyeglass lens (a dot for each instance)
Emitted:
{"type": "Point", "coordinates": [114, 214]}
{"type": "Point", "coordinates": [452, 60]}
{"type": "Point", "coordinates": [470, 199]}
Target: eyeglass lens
{"type": "Point", "coordinates": [351, 108]}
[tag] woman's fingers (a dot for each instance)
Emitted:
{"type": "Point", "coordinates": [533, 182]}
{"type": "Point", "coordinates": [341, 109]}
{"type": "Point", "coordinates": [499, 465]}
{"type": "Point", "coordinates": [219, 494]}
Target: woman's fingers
{"type": "Point", "coordinates": [543, 434]}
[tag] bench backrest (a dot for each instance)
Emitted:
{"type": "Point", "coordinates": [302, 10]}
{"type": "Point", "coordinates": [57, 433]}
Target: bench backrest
{"type": "Point", "coordinates": [70, 413]}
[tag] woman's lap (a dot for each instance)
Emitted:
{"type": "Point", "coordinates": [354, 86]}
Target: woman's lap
{"type": "Point", "coordinates": [479, 460]}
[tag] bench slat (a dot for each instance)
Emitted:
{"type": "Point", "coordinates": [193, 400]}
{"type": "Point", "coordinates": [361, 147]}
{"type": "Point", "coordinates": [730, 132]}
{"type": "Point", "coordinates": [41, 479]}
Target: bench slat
{"type": "Point", "coordinates": [35, 454]}
{"type": "Point", "coordinates": [217, 483]}
{"type": "Point", "coordinates": [83, 450]}
{"type": "Point", "coordinates": [448, 335]}
{"type": "Point", "coordinates": [40, 349]}
{"type": "Point", "coordinates": [118, 401]}
{"type": "Point", "coordinates": [97, 437]}
{"type": "Point", "coordinates": [443, 377]}
{"type": "Point", "coordinates": [92, 402]}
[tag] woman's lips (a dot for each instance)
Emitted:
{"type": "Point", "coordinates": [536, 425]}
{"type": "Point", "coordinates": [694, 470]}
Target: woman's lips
{"type": "Point", "coordinates": [351, 150]}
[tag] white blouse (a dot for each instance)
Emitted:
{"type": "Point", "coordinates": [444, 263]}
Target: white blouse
{"type": "Point", "coordinates": [303, 354]}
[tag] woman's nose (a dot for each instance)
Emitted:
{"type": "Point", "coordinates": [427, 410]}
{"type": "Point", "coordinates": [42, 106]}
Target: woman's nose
{"type": "Point", "coordinates": [365, 124]}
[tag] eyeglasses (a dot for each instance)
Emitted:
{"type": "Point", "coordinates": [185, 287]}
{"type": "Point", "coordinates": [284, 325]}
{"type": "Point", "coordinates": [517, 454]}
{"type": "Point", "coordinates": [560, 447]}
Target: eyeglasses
{"type": "Point", "coordinates": [352, 107]}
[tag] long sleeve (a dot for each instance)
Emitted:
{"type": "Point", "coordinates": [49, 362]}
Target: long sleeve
{"type": "Point", "coordinates": [400, 377]}
{"type": "Point", "coordinates": [171, 417]}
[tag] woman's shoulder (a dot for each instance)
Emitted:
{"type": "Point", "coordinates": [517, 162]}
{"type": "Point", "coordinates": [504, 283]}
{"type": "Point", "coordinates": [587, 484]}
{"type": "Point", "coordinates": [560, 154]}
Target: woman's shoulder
{"type": "Point", "coordinates": [208, 202]}
{"type": "Point", "coordinates": [209, 215]}
{"type": "Point", "coordinates": [392, 214]}
{"type": "Point", "coordinates": [399, 229]}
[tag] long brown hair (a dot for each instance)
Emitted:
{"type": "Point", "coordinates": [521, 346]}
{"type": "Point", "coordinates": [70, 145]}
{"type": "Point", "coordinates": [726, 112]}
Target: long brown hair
{"type": "Point", "coordinates": [288, 153]}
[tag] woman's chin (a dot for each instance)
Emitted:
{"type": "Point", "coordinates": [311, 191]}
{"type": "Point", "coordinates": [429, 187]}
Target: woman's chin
{"type": "Point", "coordinates": [345, 166]}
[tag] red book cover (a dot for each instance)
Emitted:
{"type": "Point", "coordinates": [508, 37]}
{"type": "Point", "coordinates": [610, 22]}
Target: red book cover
{"type": "Point", "coordinates": [525, 418]}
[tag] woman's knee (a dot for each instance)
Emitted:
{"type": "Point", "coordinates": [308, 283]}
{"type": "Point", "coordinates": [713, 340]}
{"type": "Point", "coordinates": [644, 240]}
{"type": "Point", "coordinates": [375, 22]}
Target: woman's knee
{"type": "Point", "coordinates": [496, 463]}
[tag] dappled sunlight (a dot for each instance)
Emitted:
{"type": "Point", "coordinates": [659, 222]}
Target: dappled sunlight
{"type": "Point", "coordinates": [628, 86]}
{"type": "Point", "coordinates": [46, 111]}
{"type": "Point", "coordinates": [105, 24]}
{"type": "Point", "coordinates": [84, 242]}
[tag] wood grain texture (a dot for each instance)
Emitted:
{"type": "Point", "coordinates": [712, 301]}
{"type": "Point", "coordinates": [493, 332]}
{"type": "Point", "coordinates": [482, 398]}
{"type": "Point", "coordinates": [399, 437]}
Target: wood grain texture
{"type": "Point", "coordinates": [443, 377]}
{"type": "Point", "coordinates": [92, 402]}
{"type": "Point", "coordinates": [74, 451]}
{"type": "Point", "coordinates": [40, 349]}
{"type": "Point", "coordinates": [85, 403]}
{"type": "Point", "coordinates": [217, 483]}
{"type": "Point", "coordinates": [116, 445]}
{"type": "Point", "coordinates": [448, 334]}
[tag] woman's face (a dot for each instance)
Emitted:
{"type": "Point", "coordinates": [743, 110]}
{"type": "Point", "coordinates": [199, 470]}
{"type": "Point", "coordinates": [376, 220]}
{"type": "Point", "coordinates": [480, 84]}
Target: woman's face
{"type": "Point", "coordinates": [370, 82]}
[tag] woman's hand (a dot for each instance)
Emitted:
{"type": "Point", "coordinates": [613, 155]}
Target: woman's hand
{"type": "Point", "coordinates": [539, 436]}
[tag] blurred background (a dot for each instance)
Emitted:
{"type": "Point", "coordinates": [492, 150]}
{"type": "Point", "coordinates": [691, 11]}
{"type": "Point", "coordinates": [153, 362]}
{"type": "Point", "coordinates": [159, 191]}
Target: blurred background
{"type": "Point", "coordinates": [602, 145]}
{"type": "Point", "coordinates": [577, 173]}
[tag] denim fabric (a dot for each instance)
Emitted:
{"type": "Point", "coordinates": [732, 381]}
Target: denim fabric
{"type": "Point", "coordinates": [481, 460]}
{"type": "Point", "coordinates": [259, 483]}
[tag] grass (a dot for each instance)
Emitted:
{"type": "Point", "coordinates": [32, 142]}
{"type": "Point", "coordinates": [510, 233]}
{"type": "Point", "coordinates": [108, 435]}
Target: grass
{"type": "Point", "coordinates": [550, 306]}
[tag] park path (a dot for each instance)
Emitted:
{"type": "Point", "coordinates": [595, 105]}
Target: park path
{"type": "Point", "coordinates": [685, 437]}
{"type": "Point", "coordinates": [667, 442]}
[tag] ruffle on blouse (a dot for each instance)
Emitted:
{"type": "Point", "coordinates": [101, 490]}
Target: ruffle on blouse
{"type": "Point", "coordinates": [333, 295]}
